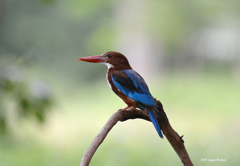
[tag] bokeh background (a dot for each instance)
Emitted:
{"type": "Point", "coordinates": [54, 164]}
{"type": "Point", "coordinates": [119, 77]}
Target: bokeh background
{"type": "Point", "coordinates": [52, 106]}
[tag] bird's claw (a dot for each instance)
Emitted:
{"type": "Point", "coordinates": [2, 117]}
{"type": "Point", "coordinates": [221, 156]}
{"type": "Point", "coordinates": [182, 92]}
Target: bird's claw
{"type": "Point", "coordinates": [128, 109]}
{"type": "Point", "coordinates": [124, 110]}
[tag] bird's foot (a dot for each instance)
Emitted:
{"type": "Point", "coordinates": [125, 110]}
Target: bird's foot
{"type": "Point", "coordinates": [128, 109]}
{"type": "Point", "coordinates": [131, 108]}
{"type": "Point", "coordinates": [124, 110]}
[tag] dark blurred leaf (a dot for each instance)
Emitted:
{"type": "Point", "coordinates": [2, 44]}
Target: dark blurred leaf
{"type": "Point", "coordinates": [2, 125]}
{"type": "Point", "coordinates": [46, 1]}
{"type": "Point", "coordinates": [7, 85]}
{"type": "Point", "coordinates": [24, 104]}
{"type": "Point", "coordinates": [40, 116]}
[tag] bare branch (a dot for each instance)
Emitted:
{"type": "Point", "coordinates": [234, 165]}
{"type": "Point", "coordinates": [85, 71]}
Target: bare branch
{"type": "Point", "coordinates": [174, 139]}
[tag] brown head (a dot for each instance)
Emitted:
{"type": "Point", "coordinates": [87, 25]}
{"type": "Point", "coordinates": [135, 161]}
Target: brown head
{"type": "Point", "coordinates": [112, 59]}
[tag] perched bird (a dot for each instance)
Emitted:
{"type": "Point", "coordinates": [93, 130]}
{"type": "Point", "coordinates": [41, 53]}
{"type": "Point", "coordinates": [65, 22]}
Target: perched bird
{"type": "Point", "coordinates": [127, 84]}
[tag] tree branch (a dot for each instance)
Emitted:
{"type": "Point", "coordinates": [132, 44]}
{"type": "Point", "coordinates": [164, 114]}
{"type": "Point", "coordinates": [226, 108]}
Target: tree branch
{"type": "Point", "coordinates": [174, 139]}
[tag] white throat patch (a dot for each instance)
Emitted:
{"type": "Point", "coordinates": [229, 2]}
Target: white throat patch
{"type": "Point", "coordinates": [108, 65]}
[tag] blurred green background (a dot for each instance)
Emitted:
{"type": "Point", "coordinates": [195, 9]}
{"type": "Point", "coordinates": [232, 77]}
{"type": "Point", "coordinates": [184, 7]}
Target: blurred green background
{"type": "Point", "coordinates": [52, 106]}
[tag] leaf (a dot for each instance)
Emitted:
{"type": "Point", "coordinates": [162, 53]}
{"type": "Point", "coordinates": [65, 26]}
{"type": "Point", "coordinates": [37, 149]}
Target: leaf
{"type": "Point", "coordinates": [46, 1]}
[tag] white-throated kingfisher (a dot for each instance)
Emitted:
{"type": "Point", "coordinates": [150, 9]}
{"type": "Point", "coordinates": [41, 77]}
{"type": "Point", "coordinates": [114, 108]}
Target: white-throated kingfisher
{"type": "Point", "coordinates": [127, 84]}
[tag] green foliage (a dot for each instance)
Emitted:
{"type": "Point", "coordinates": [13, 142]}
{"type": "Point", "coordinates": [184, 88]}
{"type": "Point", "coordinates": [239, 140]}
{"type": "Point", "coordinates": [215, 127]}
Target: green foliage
{"type": "Point", "coordinates": [29, 100]}
{"type": "Point", "coordinates": [47, 1]}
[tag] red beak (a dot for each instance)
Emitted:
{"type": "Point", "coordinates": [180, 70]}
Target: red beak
{"type": "Point", "coordinates": [93, 59]}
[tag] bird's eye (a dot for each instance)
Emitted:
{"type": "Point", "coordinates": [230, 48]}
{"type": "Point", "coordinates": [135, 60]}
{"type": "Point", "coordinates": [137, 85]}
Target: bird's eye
{"type": "Point", "coordinates": [109, 56]}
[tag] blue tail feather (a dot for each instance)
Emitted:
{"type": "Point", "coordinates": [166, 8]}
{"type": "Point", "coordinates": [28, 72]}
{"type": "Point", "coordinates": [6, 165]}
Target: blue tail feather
{"type": "Point", "coordinates": [155, 123]}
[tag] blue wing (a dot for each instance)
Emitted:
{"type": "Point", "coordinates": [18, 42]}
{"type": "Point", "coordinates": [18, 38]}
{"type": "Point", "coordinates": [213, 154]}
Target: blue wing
{"type": "Point", "coordinates": [133, 86]}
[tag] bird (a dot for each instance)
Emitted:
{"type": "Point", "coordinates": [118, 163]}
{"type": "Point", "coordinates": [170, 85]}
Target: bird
{"type": "Point", "coordinates": [127, 84]}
